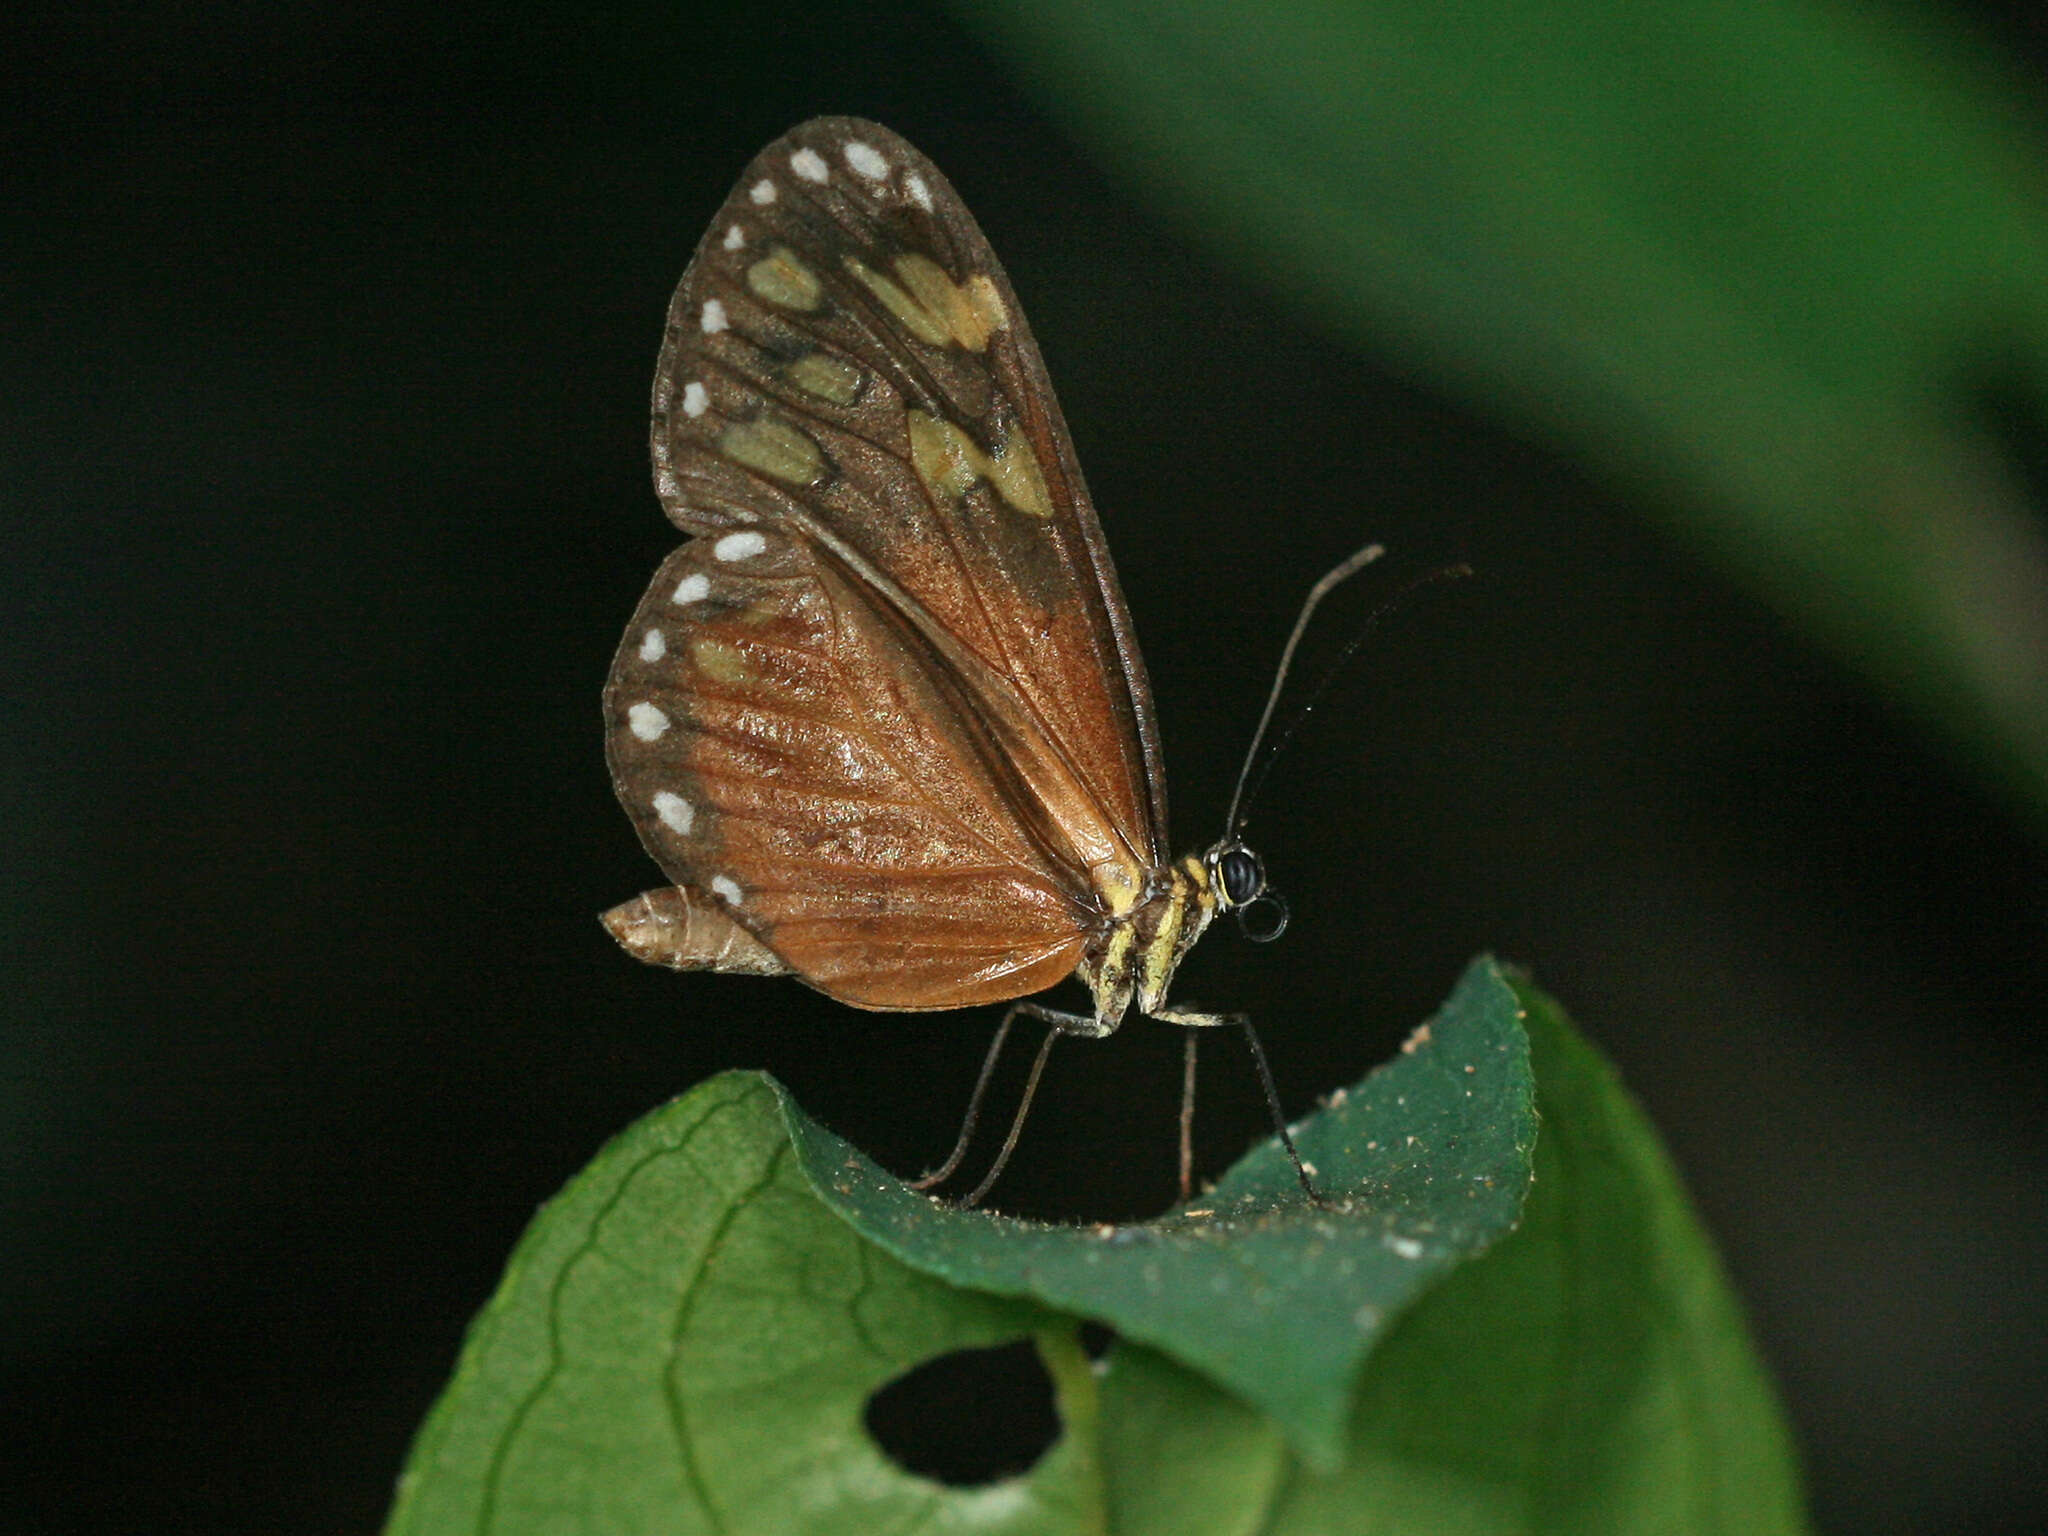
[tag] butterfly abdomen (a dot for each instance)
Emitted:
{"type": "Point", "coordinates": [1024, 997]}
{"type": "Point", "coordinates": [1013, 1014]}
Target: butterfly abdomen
{"type": "Point", "coordinates": [683, 930]}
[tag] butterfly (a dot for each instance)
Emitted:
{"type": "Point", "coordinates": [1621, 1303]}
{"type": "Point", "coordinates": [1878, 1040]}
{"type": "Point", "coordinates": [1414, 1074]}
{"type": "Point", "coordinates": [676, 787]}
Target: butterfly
{"type": "Point", "coordinates": [882, 721]}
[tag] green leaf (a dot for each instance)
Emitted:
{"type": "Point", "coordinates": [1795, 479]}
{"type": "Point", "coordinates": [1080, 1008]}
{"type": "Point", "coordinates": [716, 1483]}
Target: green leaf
{"type": "Point", "coordinates": [1752, 259]}
{"type": "Point", "coordinates": [1591, 1374]}
{"type": "Point", "coordinates": [686, 1337]}
{"type": "Point", "coordinates": [1275, 1300]}
{"type": "Point", "coordinates": [1180, 1455]}
{"type": "Point", "coordinates": [685, 1340]}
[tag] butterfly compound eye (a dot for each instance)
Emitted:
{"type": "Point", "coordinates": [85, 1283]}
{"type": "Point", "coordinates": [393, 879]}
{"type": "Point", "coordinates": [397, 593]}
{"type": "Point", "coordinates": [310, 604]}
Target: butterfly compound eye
{"type": "Point", "coordinates": [1242, 876]}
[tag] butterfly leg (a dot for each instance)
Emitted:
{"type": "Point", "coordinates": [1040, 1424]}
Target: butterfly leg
{"type": "Point", "coordinates": [944, 1171]}
{"type": "Point", "coordinates": [1063, 1023]}
{"type": "Point", "coordinates": [1192, 1019]}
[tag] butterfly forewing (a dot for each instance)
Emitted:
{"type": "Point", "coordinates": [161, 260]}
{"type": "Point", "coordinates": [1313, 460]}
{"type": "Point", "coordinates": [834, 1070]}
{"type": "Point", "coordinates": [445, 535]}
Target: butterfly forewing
{"type": "Point", "coordinates": [911, 727]}
{"type": "Point", "coordinates": [862, 362]}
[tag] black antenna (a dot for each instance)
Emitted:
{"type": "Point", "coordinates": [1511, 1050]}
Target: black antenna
{"type": "Point", "coordinates": [1372, 622]}
{"type": "Point", "coordinates": [1332, 579]}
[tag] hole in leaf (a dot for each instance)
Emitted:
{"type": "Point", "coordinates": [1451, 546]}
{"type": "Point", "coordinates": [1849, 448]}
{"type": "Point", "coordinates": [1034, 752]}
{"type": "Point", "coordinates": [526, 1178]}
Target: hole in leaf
{"type": "Point", "coordinates": [968, 1418]}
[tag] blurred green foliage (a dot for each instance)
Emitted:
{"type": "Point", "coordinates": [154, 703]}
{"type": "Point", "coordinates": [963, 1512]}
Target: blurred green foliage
{"type": "Point", "coordinates": [1764, 263]}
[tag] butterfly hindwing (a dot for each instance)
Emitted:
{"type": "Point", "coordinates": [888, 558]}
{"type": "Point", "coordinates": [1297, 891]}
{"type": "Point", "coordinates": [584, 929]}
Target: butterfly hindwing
{"type": "Point", "coordinates": [794, 758]}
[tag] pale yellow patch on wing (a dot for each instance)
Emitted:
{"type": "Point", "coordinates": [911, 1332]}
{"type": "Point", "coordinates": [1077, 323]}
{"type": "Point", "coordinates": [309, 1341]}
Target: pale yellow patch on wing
{"type": "Point", "coordinates": [717, 660]}
{"type": "Point", "coordinates": [826, 376]}
{"type": "Point", "coordinates": [949, 462]}
{"type": "Point", "coordinates": [981, 293]}
{"type": "Point", "coordinates": [775, 448]}
{"type": "Point", "coordinates": [782, 279]}
{"type": "Point", "coordinates": [1014, 474]}
{"type": "Point", "coordinates": [912, 315]}
{"type": "Point", "coordinates": [945, 457]}
{"type": "Point", "coordinates": [931, 306]}
{"type": "Point", "coordinates": [944, 299]}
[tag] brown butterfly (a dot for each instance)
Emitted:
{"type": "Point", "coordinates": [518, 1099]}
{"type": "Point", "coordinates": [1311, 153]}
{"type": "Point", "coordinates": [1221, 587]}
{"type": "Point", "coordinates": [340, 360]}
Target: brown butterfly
{"type": "Point", "coordinates": [883, 720]}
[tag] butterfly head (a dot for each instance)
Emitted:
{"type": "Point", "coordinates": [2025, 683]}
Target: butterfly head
{"type": "Point", "coordinates": [1237, 881]}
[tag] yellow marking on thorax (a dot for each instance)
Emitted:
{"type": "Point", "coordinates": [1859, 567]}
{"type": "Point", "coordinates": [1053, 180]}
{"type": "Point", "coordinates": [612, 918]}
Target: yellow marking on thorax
{"type": "Point", "coordinates": [1188, 907]}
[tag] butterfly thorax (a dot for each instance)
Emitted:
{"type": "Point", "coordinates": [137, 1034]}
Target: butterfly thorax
{"type": "Point", "coordinates": [1134, 957]}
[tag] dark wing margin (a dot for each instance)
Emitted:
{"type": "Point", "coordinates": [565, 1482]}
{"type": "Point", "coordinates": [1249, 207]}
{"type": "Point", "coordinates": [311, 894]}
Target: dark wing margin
{"type": "Point", "coordinates": [846, 358]}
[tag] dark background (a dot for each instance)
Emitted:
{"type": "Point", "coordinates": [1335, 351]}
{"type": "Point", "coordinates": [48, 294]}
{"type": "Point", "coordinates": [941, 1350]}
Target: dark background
{"type": "Point", "coordinates": [327, 349]}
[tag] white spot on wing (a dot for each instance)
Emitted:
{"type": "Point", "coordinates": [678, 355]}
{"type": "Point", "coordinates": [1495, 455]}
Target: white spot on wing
{"type": "Point", "coordinates": [693, 588]}
{"type": "Point", "coordinates": [762, 192]}
{"type": "Point", "coordinates": [920, 194]}
{"type": "Point", "coordinates": [1406, 1247]}
{"type": "Point", "coordinates": [714, 319]}
{"type": "Point", "coordinates": [676, 813]}
{"type": "Point", "coordinates": [735, 237]}
{"type": "Point", "coordinates": [646, 722]}
{"type": "Point", "coordinates": [653, 645]}
{"type": "Point", "coordinates": [695, 401]}
{"type": "Point", "coordinates": [867, 160]}
{"type": "Point", "coordinates": [726, 888]}
{"type": "Point", "coordinates": [810, 165]}
{"type": "Point", "coordinates": [739, 546]}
